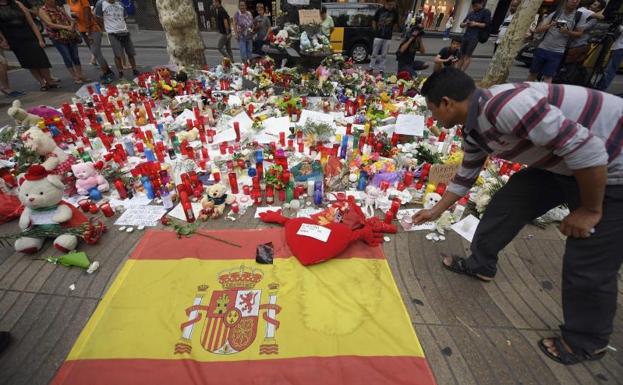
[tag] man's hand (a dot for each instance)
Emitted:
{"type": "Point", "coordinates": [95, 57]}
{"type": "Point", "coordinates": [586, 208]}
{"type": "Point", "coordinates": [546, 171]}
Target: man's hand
{"type": "Point", "coordinates": [580, 223]}
{"type": "Point", "coordinates": [41, 43]}
{"type": "Point", "coordinates": [424, 216]}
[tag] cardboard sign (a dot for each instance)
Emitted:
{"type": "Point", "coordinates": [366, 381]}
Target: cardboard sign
{"type": "Point", "coordinates": [442, 173]}
{"type": "Point", "coordinates": [309, 16]}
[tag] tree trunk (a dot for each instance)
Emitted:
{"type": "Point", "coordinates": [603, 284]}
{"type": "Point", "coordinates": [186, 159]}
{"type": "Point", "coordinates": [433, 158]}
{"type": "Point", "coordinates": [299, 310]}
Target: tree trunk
{"type": "Point", "coordinates": [504, 57]}
{"type": "Point", "coordinates": [179, 21]}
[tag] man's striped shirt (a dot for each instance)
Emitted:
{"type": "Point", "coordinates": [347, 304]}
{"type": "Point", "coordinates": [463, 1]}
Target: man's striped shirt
{"type": "Point", "coordinates": [559, 128]}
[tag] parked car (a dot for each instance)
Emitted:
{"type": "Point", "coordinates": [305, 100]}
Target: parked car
{"type": "Point", "coordinates": [353, 34]}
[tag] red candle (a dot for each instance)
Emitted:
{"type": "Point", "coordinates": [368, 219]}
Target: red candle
{"type": "Point", "coordinates": [282, 138]}
{"type": "Point", "coordinates": [107, 210]}
{"type": "Point", "coordinates": [395, 138]}
{"type": "Point", "coordinates": [186, 205]}
{"type": "Point", "coordinates": [395, 206]}
{"type": "Point", "coordinates": [389, 217]}
{"type": "Point", "coordinates": [349, 128]}
{"type": "Point", "coordinates": [223, 148]}
{"type": "Point", "coordinates": [237, 129]}
{"type": "Point", "coordinates": [384, 185]}
{"type": "Point", "coordinates": [301, 147]}
{"type": "Point", "coordinates": [233, 182]}
{"type": "Point", "coordinates": [441, 188]}
{"type": "Point", "coordinates": [442, 136]}
{"type": "Point", "coordinates": [84, 205]}
{"type": "Point", "coordinates": [93, 208]}
{"type": "Point", "coordinates": [217, 176]}
{"type": "Point", "coordinates": [259, 167]}
{"type": "Point", "coordinates": [408, 180]}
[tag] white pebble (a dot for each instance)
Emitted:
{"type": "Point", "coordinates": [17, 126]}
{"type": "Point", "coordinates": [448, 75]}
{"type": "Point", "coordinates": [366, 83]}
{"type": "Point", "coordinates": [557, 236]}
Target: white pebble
{"type": "Point", "coordinates": [122, 228]}
{"type": "Point", "coordinates": [435, 238]}
{"type": "Point", "coordinates": [387, 239]}
{"type": "Point", "coordinates": [129, 229]}
{"type": "Point", "coordinates": [94, 266]}
{"type": "Point", "coordinates": [141, 227]}
{"type": "Point", "coordinates": [72, 287]}
{"type": "Point", "coordinates": [430, 236]}
{"type": "Point", "coordinates": [442, 238]}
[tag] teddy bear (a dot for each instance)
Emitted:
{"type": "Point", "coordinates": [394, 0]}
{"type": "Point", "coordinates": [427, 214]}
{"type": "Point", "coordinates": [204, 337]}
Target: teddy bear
{"type": "Point", "coordinates": [431, 199]}
{"type": "Point", "coordinates": [41, 194]}
{"type": "Point", "coordinates": [21, 116]}
{"type": "Point", "coordinates": [56, 160]}
{"type": "Point", "coordinates": [87, 178]}
{"type": "Point", "coordinates": [214, 201]}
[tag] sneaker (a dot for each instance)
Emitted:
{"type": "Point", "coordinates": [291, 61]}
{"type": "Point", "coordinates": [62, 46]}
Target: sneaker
{"type": "Point", "coordinates": [5, 338]}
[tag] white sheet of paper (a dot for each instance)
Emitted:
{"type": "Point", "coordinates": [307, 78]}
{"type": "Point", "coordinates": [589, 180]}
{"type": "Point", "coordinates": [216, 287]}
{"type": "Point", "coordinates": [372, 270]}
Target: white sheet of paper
{"type": "Point", "coordinates": [410, 125]}
{"type": "Point", "coordinates": [466, 227]}
{"type": "Point", "coordinates": [233, 100]}
{"type": "Point", "coordinates": [315, 116]}
{"type": "Point", "coordinates": [389, 129]}
{"type": "Point", "coordinates": [140, 200]}
{"type": "Point", "coordinates": [225, 136]}
{"type": "Point", "coordinates": [260, 210]}
{"type": "Point", "coordinates": [147, 216]}
{"type": "Point", "coordinates": [265, 138]}
{"type": "Point", "coordinates": [243, 120]}
{"type": "Point", "coordinates": [178, 211]}
{"type": "Point", "coordinates": [274, 125]}
{"type": "Point", "coordinates": [307, 212]}
{"type": "Point", "coordinates": [428, 226]}
{"type": "Point", "coordinates": [320, 233]}
{"type": "Point", "coordinates": [186, 114]}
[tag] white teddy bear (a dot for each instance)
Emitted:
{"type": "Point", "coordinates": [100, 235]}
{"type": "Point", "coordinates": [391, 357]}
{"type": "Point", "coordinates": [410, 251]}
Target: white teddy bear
{"type": "Point", "coordinates": [43, 144]}
{"type": "Point", "coordinates": [41, 194]}
{"type": "Point", "coordinates": [21, 116]}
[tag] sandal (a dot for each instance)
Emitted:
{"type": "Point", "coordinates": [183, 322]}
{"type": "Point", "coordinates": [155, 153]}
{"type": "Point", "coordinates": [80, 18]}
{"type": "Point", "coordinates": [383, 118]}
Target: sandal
{"type": "Point", "coordinates": [459, 266]}
{"type": "Point", "coordinates": [566, 357]}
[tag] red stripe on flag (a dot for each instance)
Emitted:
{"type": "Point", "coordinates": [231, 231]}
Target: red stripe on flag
{"type": "Point", "coordinates": [339, 370]}
{"type": "Point", "coordinates": [163, 245]}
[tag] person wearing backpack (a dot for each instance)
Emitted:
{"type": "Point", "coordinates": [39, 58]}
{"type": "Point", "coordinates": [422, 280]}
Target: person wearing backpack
{"type": "Point", "coordinates": [559, 28]}
{"type": "Point", "coordinates": [477, 23]}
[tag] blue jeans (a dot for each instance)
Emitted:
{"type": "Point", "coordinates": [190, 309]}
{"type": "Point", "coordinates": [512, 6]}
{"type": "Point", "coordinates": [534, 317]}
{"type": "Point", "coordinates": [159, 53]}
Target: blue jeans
{"type": "Point", "coordinates": [246, 49]}
{"type": "Point", "coordinates": [546, 62]}
{"type": "Point", "coordinates": [69, 53]}
{"type": "Point", "coordinates": [616, 57]}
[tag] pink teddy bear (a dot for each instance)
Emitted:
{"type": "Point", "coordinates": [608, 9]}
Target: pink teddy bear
{"type": "Point", "coordinates": [87, 178]}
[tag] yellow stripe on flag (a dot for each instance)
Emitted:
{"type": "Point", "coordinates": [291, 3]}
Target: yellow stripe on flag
{"type": "Point", "coordinates": [341, 307]}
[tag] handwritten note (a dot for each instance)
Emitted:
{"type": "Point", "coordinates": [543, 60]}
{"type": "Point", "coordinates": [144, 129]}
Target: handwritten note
{"type": "Point", "coordinates": [309, 16]}
{"type": "Point", "coordinates": [442, 173]}
{"type": "Point", "coordinates": [141, 216]}
{"type": "Point", "coordinates": [314, 231]}
{"type": "Point", "coordinates": [315, 116]}
{"type": "Point", "coordinates": [410, 125]}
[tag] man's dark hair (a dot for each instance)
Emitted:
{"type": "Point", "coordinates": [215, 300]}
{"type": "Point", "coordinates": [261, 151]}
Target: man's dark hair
{"type": "Point", "coordinates": [323, 10]}
{"type": "Point", "coordinates": [478, 2]}
{"type": "Point", "coordinates": [602, 4]}
{"type": "Point", "coordinates": [449, 82]}
{"type": "Point", "coordinates": [457, 39]}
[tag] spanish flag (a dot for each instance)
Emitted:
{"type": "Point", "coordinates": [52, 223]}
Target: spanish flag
{"type": "Point", "coordinates": [200, 311]}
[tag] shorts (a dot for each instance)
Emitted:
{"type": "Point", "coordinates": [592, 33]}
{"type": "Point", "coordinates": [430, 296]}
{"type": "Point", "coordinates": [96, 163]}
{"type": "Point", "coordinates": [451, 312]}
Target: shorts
{"type": "Point", "coordinates": [468, 45]}
{"type": "Point", "coordinates": [546, 62]}
{"type": "Point", "coordinates": [120, 42]}
{"type": "Point", "coordinates": [3, 59]}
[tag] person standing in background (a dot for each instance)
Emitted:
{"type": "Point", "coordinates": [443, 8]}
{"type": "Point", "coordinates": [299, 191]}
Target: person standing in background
{"type": "Point", "coordinates": [112, 13]}
{"type": "Point", "coordinates": [579, 48]}
{"type": "Point", "coordinates": [5, 87]}
{"type": "Point", "coordinates": [477, 20]}
{"type": "Point", "coordinates": [327, 24]}
{"type": "Point", "coordinates": [616, 58]}
{"type": "Point", "coordinates": [224, 29]}
{"type": "Point", "coordinates": [25, 40]}
{"type": "Point", "coordinates": [243, 27]}
{"type": "Point", "coordinates": [507, 21]}
{"type": "Point", "coordinates": [62, 31]}
{"type": "Point", "coordinates": [446, 33]}
{"type": "Point", "coordinates": [383, 25]}
{"type": "Point", "coordinates": [91, 32]}
{"type": "Point", "coordinates": [261, 28]}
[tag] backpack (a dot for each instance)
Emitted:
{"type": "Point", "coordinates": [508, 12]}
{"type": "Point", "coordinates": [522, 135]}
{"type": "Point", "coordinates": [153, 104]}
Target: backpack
{"type": "Point", "coordinates": [483, 33]}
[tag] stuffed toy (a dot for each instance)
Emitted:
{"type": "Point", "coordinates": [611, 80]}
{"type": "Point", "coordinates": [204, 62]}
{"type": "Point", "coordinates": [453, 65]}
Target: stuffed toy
{"type": "Point", "coordinates": [41, 194]}
{"type": "Point", "coordinates": [213, 204]}
{"type": "Point", "coordinates": [45, 112]}
{"type": "Point", "coordinates": [21, 116]}
{"type": "Point", "coordinates": [431, 199]}
{"type": "Point", "coordinates": [346, 223]}
{"type": "Point", "coordinates": [87, 178]}
{"type": "Point", "coordinates": [56, 160]}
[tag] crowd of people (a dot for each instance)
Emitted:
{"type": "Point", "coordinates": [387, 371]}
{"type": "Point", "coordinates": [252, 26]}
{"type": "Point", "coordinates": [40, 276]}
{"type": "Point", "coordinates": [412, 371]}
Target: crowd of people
{"type": "Point", "coordinates": [86, 23]}
{"type": "Point", "coordinates": [562, 38]}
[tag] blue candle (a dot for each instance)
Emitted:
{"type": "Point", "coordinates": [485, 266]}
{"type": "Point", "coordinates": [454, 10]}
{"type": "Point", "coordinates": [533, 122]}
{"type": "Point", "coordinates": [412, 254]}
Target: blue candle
{"type": "Point", "coordinates": [318, 193]}
{"type": "Point", "coordinates": [344, 147]}
{"type": "Point", "coordinates": [149, 188]}
{"type": "Point", "coordinates": [363, 180]}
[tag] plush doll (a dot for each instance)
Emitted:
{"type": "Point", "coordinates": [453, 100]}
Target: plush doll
{"type": "Point", "coordinates": [215, 200]}
{"type": "Point", "coordinates": [87, 178]}
{"type": "Point", "coordinates": [21, 116]}
{"type": "Point", "coordinates": [45, 112]}
{"type": "Point", "coordinates": [56, 160]}
{"type": "Point", "coordinates": [347, 224]}
{"type": "Point", "coordinates": [431, 199]}
{"type": "Point", "coordinates": [41, 194]}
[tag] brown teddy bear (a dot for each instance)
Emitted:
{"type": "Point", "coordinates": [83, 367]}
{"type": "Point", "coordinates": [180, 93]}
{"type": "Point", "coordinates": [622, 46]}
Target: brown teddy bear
{"type": "Point", "coordinates": [214, 201]}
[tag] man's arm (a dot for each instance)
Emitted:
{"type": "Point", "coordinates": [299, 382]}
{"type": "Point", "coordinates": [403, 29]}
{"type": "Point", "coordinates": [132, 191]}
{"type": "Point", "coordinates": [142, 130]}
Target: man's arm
{"type": "Point", "coordinates": [405, 46]}
{"type": "Point", "coordinates": [545, 24]}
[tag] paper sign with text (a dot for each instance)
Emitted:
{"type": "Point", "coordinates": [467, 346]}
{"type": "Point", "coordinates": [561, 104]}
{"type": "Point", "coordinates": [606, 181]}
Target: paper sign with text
{"type": "Point", "coordinates": [442, 173]}
{"type": "Point", "coordinates": [314, 231]}
{"type": "Point", "coordinates": [309, 16]}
